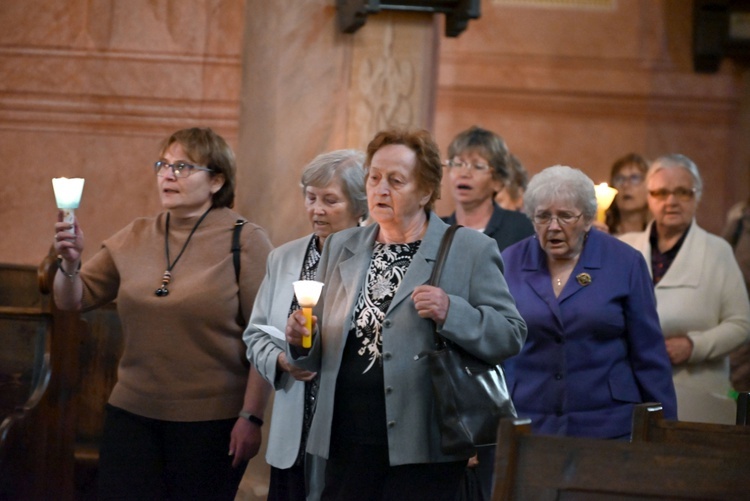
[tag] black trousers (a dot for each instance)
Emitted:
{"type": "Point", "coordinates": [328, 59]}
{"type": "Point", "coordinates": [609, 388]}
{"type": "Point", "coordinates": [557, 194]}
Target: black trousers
{"type": "Point", "coordinates": [362, 472]}
{"type": "Point", "coordinates": [287, 484]}
{"type": "Point", "coordinates": [150, 459]}
{"type": "Point", "coordinates": [478, 479]}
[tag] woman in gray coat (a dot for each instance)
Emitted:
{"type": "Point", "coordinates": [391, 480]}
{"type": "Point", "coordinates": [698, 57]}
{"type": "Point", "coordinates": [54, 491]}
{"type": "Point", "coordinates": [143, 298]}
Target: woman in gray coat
{"type": "Point", "coordinates": [374, 420]}
{"type": "Point", "coordinates": [334, 191]}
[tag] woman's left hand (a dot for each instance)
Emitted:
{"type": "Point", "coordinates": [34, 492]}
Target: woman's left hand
{"type": "Point", "coordinates": [431, 302]}
{"type": "Point", "coordinates": [244, 442]}
{"type": "Point", "coordinates": [679, 349]}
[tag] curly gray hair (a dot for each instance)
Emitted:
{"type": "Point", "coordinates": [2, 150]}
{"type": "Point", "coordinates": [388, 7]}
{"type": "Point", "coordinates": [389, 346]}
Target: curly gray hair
{"type": "Point", "coordinates": [561, 183]}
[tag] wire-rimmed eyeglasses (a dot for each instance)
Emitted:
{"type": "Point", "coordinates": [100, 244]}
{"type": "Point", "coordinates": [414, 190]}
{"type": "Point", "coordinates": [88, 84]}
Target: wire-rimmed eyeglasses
{"type": "Point", "coordinates": [179, 169]}
{"type": "Point", "coordinates": [563, 219]}
{"type": "Point", "coordinates": [681, 194]}
{"type": "Point", "coordinates": [460, 164]}
{"type": "Point", "coordinates": [633, 180]}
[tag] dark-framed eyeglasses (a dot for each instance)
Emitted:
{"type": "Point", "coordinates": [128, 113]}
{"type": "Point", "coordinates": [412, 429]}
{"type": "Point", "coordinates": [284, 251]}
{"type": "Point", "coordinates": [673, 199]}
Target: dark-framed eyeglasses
{"type": "Point", "coordinates": [632, 179]}
{"type": "Point", "coordinates": [563, 219]}
{"type": "Point", "coordinates": [179, 169]}
{"type": "Point", "coordinates": [459, 164]}
{"type": "Point", "coordinates": [681, 194]}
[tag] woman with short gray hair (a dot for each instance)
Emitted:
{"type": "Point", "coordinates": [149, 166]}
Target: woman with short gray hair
{"type": "Point", "coordinates": [701, 297]}
{"type": "Point", "coordinates": [594, 347]}
{"type": "Point", "coordinates": [333, 185]}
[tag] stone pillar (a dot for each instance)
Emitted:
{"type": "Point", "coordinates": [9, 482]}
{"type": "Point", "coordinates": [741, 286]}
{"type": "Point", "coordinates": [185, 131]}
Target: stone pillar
{"type": "Point", "coordinates": [308, 89]}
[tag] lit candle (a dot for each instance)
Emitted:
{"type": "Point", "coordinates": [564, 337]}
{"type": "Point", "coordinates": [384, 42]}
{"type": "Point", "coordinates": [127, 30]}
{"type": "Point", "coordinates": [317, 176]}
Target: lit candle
{"type": "Point", "coordinates": [68, 195]}
{"type": "Point", "coordinates": [604, 197]}
{"type": "Point", "coordinates": [308, 293]}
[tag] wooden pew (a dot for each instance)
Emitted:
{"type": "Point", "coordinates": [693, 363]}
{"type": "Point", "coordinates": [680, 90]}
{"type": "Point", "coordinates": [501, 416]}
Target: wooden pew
{"type": "Point", "coordinates": [649, 425]}
{"type": "Point", "coordinates": [536, 467]}
{"type": "Point", "coordinates": [52, 445]}
{"type": "Point", "coordinates": [24, 364]}
{"type": "Point", "coordinates": [25, 373]}
{"type": "Point", "coordinates": [743, 408]}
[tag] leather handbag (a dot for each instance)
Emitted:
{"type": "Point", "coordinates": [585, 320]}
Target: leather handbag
{"type": "Point", "coordinates": [470, 395]}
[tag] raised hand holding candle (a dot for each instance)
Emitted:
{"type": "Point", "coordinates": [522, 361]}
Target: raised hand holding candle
{"type": "Point", "coordinates": [68, 196]}
{"type": "Point", "coordinates": [604, 197]}
{"type": "Point", "coordinates": [308, 293]}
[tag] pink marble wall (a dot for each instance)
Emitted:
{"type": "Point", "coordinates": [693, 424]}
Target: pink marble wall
{"type": "Point", "coordinates": [88, 89]}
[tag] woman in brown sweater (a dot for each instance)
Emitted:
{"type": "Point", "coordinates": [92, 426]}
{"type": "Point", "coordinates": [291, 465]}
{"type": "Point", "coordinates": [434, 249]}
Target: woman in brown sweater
{"type": "Point", "coordinates": [172, 428]}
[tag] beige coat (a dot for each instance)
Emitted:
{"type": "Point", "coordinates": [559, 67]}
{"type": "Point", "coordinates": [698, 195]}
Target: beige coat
{"type": "Point", "coordinates": [702, 295]}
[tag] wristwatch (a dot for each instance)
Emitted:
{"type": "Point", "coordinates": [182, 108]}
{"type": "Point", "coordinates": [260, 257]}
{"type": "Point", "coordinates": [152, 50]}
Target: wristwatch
{"type": "Point", "coordinates": [252, 418]}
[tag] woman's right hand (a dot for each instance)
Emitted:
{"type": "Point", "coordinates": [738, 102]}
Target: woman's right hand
{"type": "Point", "coordinates": [295, 328]}
{"type": "Point", "coordinates": [68, 240]}
{"type": "Point", "coordinates": [295, 372]}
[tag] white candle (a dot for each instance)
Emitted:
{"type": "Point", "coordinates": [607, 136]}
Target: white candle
{"type": "Point", "coordinates": [68, 195]}
{"type": "Point", "coordinates": [308, 293]}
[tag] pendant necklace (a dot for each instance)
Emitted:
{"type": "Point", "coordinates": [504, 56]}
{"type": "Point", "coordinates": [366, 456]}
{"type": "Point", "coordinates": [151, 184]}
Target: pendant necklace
{"type": "Point", "coordinates": [165, 279]}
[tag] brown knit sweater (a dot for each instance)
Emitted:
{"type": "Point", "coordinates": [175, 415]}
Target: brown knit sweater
{"type": "Point", "coordinates": [184, 358]}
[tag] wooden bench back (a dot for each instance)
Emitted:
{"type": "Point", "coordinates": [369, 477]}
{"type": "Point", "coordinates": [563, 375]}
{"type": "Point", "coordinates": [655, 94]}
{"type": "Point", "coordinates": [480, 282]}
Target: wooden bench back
{"type": "Point", "coordinates": [25, 373]}
{"type": "Point", "coordinates": [649, 425]}
{"type": "Point", "coordinates": [743, 408]}
{"type": "Point", "coordinates": [539, 468]}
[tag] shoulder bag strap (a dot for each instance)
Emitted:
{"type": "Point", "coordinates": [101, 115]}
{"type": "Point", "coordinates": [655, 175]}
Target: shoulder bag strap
{"type": "Point", "coordinates": [445, 246]}
{"type": "Point", "coordinates": [437, 270]}
{"type": "Point", "coordinates": [236, 247]}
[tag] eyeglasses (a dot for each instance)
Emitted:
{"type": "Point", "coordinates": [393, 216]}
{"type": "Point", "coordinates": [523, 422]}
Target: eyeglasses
{"type": "Point", "coordinates": [458, 164]}
{"type": "Point", "coordinates": [681, 194]}
{"type": "Point", "coordinates": [179, 169]}
{"type": "Point", "coordinates": [633, 180]}
{"type": "Point", "coordinates": [564, 219]}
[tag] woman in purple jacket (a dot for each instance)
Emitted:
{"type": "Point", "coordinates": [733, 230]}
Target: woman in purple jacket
{"type": "Point", "coordinates": [594, 346]}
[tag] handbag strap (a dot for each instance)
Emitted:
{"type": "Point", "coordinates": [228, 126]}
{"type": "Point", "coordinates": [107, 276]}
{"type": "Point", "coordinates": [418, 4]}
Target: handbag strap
{"type": "Point", "coordinates": [237, 247]}
{"type": "Point", "coordinates": [442, 255]}
{"type": "Point", "coordinates": [437, 270]}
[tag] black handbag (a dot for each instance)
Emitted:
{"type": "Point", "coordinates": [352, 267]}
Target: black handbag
{"type": "Point", "coordinates": [470, 395]}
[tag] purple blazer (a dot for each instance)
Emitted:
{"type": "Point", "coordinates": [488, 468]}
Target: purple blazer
{"type": "Point", "coordinates": [595, 351]}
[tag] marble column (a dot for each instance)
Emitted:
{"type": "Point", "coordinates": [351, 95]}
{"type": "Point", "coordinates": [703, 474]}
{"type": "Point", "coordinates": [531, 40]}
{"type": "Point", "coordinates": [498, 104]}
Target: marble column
{"type": "Point", "coordinates": [308, 89]}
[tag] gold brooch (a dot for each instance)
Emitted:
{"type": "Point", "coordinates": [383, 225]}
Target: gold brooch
{"type": "Point", "coordinates": [583, 279]}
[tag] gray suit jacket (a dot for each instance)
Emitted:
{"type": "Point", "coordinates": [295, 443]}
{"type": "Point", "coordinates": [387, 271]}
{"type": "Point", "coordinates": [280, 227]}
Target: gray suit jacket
{"type": "Point", "coordinates": [482, 318]}
{"type": "Point", "coordinates": [271, 307]}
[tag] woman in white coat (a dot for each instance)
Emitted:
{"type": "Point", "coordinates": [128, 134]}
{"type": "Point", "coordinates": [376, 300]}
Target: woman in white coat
{"type": "Point", "coordinates": [700, 296]}
{"type": "Point", "coordinates": [334, 191]}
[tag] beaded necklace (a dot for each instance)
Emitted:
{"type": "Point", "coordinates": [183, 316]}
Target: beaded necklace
{"type": "Point", "coordinates": [167, 277]}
